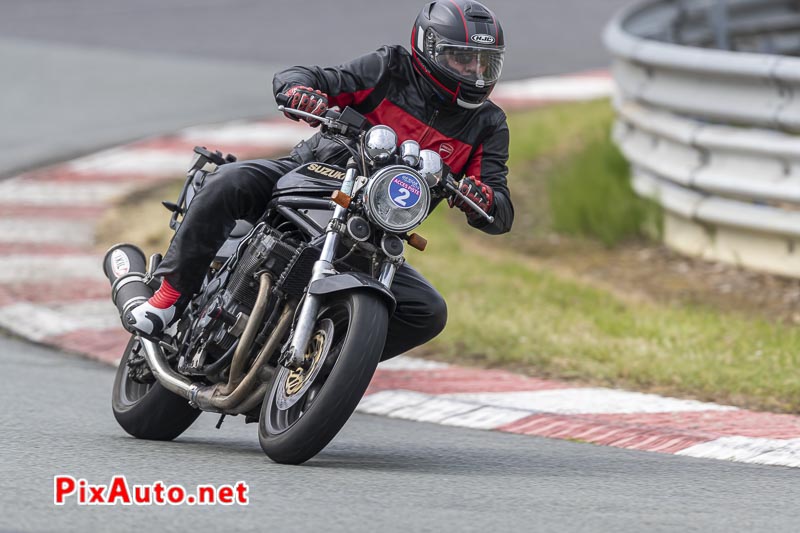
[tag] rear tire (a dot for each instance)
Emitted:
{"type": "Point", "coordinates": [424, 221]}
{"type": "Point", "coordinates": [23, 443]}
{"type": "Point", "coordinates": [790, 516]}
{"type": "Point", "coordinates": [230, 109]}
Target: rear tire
{"type": "Point", "coordinates": [148, 410]}
{"type": "Point", "coordinates": [296, 434]}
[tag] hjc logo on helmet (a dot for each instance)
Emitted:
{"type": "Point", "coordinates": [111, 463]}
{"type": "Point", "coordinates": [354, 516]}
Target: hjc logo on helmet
{"type": "Point", "coordinates": [482, 38]}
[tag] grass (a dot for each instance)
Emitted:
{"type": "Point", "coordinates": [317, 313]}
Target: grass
{"type": "Point", "coordinates": [506, 309]}
{"type": "Point", "coordinates": [566, 175]}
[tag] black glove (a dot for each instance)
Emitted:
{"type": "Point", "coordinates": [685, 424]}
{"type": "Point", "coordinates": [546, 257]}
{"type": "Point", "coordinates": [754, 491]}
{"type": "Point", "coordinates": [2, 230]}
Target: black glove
{"type": "Point", "coordinates": [478, 192]}
{"type": "Point", "coordinates": [308, 100]}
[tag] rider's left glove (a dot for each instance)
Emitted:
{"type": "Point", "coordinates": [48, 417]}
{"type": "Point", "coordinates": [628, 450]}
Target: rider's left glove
{"type": "Point", "coordinates": [478, 192]}
{"type": "Point", "coordinates": [308, 100]}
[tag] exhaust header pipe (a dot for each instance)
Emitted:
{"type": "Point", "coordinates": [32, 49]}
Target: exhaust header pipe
{"type": "Point", "coordinates": [124, 266]}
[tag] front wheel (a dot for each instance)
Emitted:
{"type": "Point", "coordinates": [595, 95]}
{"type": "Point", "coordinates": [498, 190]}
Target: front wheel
{"type": "Point", "coordinates": [142, 406]}
{"type": "Point", "coordinates": [303, 411]}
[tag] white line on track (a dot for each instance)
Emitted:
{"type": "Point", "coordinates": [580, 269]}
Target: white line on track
{"type": "Point", "coordinates": [557, 88]}
{"type": "Point", "coordinates": [485, 418]}
{"type": "Point", "coordinates": [39, 322]}
{"type": "Point", "coordinates": [403, 362]}
{"type": "Point", "coordinates": [19, 192]}
{"type": "Point", "coordinates": [780, 452]}
{"type": "Point", "coordinates": [410, 405]}
{"type": "Point", "coordinates": [133, 161]}
{"type": "Point", "coordinates": [46, 231]}
{"type": "Point", "coordinates": [384, 402]}
{"type": "Point", "coordinates": [587, 401]}
{"type": "Point", "coordinates": [26, 268]}
{"type": "Point", "coordinates": [265, 134]}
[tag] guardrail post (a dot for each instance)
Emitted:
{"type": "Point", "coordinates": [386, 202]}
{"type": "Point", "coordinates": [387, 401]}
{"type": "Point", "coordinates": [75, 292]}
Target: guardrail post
{"type": "Point", "coordinates": [719, 23]}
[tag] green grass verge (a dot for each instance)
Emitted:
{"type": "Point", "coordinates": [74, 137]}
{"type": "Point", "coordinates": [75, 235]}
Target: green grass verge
{"type": "Point", "coordinates": [567, 175]}
{"type": "Point", "coordinates": [505, 311]}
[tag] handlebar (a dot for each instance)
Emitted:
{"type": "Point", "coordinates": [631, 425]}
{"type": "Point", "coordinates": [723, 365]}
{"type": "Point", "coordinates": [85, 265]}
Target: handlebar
{"type": "Point", "coordinates": [328, 118]}
{"type": "Point", "coordinates": [349, 122]}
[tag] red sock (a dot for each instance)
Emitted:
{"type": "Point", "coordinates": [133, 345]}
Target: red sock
{"type": "Point", "coordinates": [165, 296]}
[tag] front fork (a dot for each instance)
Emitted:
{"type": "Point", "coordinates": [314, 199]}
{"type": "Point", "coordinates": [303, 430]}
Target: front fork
{"type": "Point", "coordinates": [294, 356]}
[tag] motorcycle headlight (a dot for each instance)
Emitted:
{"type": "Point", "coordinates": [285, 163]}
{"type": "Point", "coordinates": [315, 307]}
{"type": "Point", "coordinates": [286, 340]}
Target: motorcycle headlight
{"type": "Point", "coordinates": [397, 199]}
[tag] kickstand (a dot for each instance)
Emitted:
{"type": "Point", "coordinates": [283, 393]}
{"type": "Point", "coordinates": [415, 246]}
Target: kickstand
{"type": "Point", "coordinates": [219, 423]}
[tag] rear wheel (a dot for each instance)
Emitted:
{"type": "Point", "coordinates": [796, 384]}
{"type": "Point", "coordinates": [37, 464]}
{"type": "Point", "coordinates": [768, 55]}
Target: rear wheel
{"type": "Point", "coordinates": [303, 411]}
{"type": "Point", "coordinates": [142, 406]}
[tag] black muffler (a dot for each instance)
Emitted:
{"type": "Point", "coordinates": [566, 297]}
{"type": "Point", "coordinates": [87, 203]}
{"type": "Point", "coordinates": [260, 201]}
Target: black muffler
{"type": "Point", "coordinates": [125, 267]}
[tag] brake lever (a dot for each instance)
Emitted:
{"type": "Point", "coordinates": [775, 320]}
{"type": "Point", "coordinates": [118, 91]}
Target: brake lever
{"type": "Point", "coordinates": [324, 120]}
{"type": "Point", "coordinates": [447, 183]}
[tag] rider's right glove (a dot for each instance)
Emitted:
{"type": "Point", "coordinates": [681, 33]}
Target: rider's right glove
{"type": "Point", "coordinates": [308, 100]}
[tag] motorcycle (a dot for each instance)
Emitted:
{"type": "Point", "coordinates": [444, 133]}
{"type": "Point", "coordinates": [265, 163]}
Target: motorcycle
{"type": "Point", "coordinates": [289, 325]}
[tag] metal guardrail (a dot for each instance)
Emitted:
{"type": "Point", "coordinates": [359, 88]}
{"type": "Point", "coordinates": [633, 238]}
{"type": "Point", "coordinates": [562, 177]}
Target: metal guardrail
{"type": "Point", "coordinates": [710, 131]}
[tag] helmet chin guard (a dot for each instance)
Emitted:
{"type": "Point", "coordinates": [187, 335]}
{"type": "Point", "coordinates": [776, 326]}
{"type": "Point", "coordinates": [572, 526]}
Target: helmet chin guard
{"type": "Point", "coordinates": [458, 46]}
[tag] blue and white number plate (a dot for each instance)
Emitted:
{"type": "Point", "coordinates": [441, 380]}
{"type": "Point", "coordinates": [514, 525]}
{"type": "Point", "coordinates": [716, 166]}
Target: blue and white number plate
{"type": "Point", "coordinates": [404, 191]}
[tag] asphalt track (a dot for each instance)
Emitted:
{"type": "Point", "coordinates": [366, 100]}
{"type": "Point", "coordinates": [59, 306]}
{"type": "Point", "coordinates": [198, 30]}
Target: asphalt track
{"type": "Point", "coordinates": [379, 474]}
{"type": "Point", "coordinates": [84, 74]}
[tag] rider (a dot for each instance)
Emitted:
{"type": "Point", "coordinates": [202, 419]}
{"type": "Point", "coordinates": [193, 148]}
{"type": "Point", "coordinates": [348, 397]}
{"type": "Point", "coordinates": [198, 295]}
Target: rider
{"type": "Point", "coordinates": [436, 95]}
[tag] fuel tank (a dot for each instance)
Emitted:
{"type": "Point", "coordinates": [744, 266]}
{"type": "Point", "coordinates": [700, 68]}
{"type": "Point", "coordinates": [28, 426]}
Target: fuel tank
{"type": "Point", "coordinates": [316, 179]}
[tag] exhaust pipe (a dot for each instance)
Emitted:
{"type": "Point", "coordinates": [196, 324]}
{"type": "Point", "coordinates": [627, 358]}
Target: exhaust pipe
{"type": "Point", "coordinates": [171, 380]}
{"type": "Point", "coordinates": [208, 397]}
{"type": "Point", "coordinates": [248, 336]}
{"type": "Point", "coordinates": [124, 266]}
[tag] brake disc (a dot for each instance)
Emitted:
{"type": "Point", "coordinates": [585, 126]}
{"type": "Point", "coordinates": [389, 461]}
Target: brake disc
{"type": "Point", "coordinates": [293, 384]}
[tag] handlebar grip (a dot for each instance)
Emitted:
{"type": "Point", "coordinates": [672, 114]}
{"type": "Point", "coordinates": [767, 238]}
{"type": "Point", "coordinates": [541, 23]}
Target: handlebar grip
{"type": "Point", "coordinates": [282, 99]}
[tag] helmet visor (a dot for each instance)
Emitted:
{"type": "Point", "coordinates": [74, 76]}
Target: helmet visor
{"type": "Point", "coordinates": [478, 67]}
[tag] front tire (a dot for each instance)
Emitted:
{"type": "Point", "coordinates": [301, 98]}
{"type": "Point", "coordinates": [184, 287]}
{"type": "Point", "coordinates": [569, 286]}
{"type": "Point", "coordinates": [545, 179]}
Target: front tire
{"type": "Point", "coordinates": [353, 326]}
{"type": "Point", "coordinates": [148, 410]}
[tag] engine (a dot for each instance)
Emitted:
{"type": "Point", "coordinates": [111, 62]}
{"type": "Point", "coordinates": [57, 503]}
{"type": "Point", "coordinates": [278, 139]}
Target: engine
{"type": "Point", "coordinates": [231, 296]}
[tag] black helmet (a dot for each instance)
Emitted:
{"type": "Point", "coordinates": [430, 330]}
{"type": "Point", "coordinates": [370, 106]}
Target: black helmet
{"type": "Point", "coordinates": [458, 45]}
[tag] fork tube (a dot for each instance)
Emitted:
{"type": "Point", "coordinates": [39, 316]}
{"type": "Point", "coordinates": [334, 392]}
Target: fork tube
{"type": "Point", "coordinates": [387, 272]}
{"type": "Point", "coordinates": [323, 267]}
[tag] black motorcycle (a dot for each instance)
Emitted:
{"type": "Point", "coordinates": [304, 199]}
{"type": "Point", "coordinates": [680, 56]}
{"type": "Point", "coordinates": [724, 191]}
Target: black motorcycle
{"type": "Point", "coordinates": [291, 320]}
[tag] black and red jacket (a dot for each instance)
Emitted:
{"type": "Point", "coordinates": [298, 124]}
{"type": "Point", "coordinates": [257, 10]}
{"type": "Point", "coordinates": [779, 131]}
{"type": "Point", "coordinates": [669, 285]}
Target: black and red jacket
{"type": "Point", "coordinates": [384, 87]}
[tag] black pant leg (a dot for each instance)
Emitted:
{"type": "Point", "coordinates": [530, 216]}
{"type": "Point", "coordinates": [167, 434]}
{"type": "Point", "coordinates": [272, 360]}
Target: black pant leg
{"type": "Point", "coordinates": [421, 313]}
{"type": "Point", "coordinates": [239, 190]}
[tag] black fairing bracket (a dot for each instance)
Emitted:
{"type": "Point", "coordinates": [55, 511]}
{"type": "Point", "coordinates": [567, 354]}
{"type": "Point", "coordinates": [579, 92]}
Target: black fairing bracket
{"type": "Point", "coordinates": [352, 280]}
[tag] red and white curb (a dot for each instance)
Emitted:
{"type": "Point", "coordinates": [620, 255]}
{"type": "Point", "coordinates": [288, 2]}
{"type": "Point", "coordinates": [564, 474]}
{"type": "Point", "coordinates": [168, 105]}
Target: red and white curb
{"type": "Point", "coordinates": [53, 291]}
{"type": "Point", "coordinates": [497, 400]}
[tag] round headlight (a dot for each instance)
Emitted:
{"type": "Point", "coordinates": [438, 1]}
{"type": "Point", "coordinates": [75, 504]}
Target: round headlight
{"type": "Point", "coordinates": [397, 199]}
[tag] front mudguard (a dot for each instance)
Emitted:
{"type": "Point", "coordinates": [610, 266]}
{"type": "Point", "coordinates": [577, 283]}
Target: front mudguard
{"type": "Point", "coordinates": [346, 281]}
